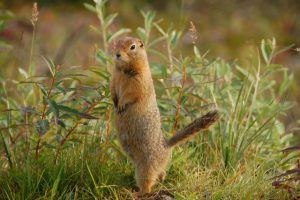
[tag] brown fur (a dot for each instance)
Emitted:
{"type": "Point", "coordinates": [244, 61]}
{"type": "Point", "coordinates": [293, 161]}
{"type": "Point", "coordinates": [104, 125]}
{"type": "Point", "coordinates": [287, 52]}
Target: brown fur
{"type": "Point", "coordinates": [137, 117]}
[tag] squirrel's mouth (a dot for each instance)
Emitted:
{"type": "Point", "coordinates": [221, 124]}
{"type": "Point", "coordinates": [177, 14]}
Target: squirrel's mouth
{"type": "Point", "coordinates": [121, 59]}
{"type": "Point", "coordinates": [121, 64]}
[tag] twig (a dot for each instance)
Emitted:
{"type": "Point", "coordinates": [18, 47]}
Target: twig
{"type": "Point", "coordinates": [170, 58]}
{"type": "Point", "coordinates": [44, 112]}
{"type": "Point", "coordinates": [108, 119]}
{"type": "Point", "coordinates": [179, 101]}
{"type": "Point", "coordinates": [34, 19]}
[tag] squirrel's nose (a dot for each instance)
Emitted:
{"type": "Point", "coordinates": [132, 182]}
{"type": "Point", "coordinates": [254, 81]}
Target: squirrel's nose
{"type": "Point", "coordinates": [118, 55]}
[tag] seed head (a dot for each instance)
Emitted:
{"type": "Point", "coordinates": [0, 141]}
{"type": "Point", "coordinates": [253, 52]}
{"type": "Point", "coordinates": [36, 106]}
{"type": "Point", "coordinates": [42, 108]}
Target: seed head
{"type": "Point", "coordinates": [35, 14]}
{"type": "Point", "coordinates": [194, 33]}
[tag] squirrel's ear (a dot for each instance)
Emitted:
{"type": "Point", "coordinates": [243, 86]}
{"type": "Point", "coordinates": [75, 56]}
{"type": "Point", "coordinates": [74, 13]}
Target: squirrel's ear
{"type": "Point", "coordinates": [141, 43]}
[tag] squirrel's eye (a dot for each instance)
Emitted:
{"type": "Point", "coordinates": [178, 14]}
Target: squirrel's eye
{"type": "Point", "coordinates": [132, 47]}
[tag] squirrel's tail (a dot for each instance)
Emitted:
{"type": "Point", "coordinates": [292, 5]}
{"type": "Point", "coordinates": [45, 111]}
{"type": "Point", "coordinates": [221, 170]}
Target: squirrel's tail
{"type": "Point", "coordinates": [192, 129]}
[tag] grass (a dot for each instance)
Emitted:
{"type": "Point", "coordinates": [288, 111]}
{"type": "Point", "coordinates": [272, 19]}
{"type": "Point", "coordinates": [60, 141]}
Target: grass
{"type": "Point", "coordinates": [58, 139]}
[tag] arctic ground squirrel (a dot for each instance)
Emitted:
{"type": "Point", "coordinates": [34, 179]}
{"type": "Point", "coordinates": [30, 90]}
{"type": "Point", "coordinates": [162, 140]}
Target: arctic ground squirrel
{"type": "Point", "coordinates": [137, 117]}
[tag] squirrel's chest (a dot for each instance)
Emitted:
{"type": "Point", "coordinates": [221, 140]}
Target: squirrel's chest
{"type": "Point", "coordinates": [119, 91]}
{"type": "Point", "coordinates": [123, 85]}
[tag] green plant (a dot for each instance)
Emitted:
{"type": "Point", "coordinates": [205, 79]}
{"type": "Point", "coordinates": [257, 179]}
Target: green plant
{"type": "Point", "coordinates": [105, 22]}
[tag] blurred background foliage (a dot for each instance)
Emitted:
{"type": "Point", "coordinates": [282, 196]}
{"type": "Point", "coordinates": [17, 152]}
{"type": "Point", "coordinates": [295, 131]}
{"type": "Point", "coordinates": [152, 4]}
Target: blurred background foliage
{"type": "Point", "coordinates": [228, 29]}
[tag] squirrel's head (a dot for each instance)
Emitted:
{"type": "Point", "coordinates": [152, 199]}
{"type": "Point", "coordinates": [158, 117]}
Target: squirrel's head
{"type": "Point", "coordinates": [129, 52]}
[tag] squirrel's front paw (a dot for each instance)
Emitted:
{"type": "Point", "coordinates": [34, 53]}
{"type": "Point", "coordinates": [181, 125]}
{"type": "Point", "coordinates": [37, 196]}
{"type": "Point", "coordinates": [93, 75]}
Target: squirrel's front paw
{"type": "Point", "coordinates": [122, 108]}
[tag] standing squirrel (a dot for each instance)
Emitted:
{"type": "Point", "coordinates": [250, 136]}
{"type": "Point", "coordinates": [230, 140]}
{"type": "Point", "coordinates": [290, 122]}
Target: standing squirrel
{"type": "Point", "coordinates": [137, 117]}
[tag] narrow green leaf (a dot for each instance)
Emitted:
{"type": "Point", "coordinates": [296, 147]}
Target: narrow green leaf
{"type": "Point", "coordinates": [6, 151]}
{"type": "Point", "coordinates": [155, 41]}
{"type": "Point", "coordinates": [90, 7]}
{"type": "Point", "coordinates": [102, 56]}
{"type": "Point", "coordinates": [76, 112]}
{"type": "Point", "coordinates": [71, 75]}
{"type": "Point", "coordinates": [118, 33]}
{"type": "Point", "coordinates": [43, 88]}
{"type": "Point", "coordinates": [141, 33]}
{"type": "Point", "coordinates": [160, 30]}
{"type": "Point", "coordinates": [42, 126]}
{"type": "Point", "coordinates": [103, 74]}
{"type": "Point", "coordinates": [61, 123]}
{"type": "Point", "coordinates": [29, 109]}
{"type": "Point", "coordinates": [97, 30]}
{"type": "Point", "coordinates": [49, 146]}
{"type": "Point", "coordinates": [245, 73]}
{"type": "Point", "coordinates": [283, 50]}
{"type": "Point", "coordinates": [61, 89]}
{"type": "Point", "coordinates": [50, 65]}
{"type": "Point", "coordinates": [92, 177]}
{"type": "Point", "coordinates": [56, 183]}
{"type": "Point", "coordinates": [197, 52]}
{"type": "Point", "coordinates": [23, 72]}
{"type": "Point", "coordinates": [263, 50]}
{"type": "Point", "coordinates": [174, 38]}
{"type": "Point", "coordinates": [109, 19]}
{"type": "Point", "coordinates": [53, 105]}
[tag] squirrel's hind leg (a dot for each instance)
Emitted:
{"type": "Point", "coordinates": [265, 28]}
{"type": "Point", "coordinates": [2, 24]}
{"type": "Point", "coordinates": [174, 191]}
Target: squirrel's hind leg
{"type": "Point", "coordinates": [145, 178]}
{"type": "Point", "coordinates": [162, 176]}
